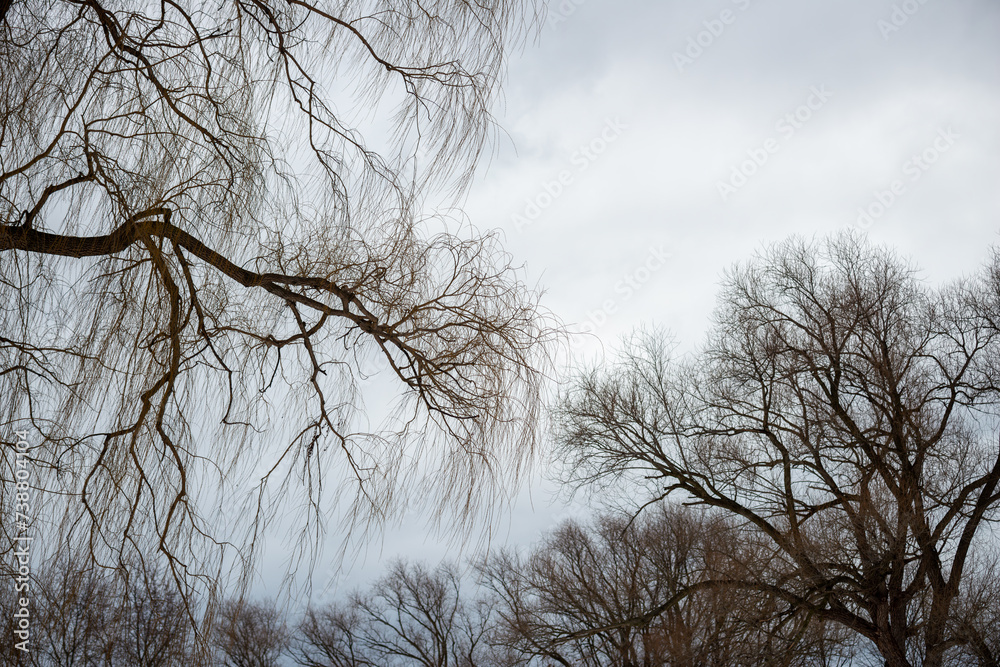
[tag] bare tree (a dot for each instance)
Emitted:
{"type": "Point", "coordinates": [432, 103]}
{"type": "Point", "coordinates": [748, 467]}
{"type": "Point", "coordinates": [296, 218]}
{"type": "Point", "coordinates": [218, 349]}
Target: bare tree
{"type": "Point", "coordinates": [75, 625]}
{"type": "Point", "coordinates": [619, 594]}
{"type": "Point", "coordinates": [844, 415]}
{"type": "Point", "coordinates": [250, 634]}
{"type": "Point", "coordinates": [17, 650]}
{"type": "Point", "coordinates": [332, 637]}
{"type": "Point", "coordinates": [85, 616]}
{"type": "Point", "coordinates": [155, 628]}
{"type": "Point", "coordinates": [977, 615]}
{"type": "Point", "coordinates": [200, 256]}
{"type": "Point", "coordinates": [411, 616]}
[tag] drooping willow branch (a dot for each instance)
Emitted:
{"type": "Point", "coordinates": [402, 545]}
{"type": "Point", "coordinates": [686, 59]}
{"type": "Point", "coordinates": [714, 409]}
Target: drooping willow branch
{"type": "Point", "coordinates": [200, 255]}
{"type": "Point", "coordinates": [155, 223]}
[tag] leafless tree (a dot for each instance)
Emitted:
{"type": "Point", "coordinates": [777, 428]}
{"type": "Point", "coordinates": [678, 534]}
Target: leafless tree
{"type": "Point", "coordinates": [844, 414]}
{"type": "Point", "coordinates": [86, 616]}
{"type": "Point", "coordinates": [250, 634]}
{"type": "Point", "coordinates": [201, 256]}
{"type": "Point", "coordinates": [75, 626]}
{"type": "Point", "coordinates": [331, 637]}
{"type": "Point", "coordinates": [155, 628]}
{"type": "Point", "coordinates": [17, 650]}
{"type": "Point", "coordinates": [411, 616]}
{"type": "Point", "coordinates": [617, 594]}
{"type": "Point", "coordinates": [977, 615]}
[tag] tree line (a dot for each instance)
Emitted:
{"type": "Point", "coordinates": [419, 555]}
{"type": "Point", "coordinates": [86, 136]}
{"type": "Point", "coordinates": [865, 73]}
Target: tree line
{"type": "Point", "coordinates": [618, 591]}
{"type": "Point", "coordinates": [573, 599]}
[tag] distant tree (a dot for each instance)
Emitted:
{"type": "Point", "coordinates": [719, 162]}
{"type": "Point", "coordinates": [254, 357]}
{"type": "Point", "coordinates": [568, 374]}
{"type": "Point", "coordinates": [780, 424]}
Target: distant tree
{"type": "Point", "coordinates": [74, 625]}
{"type": "Point", "coordinates": [844, 415]}
{"type": "Point", "coordinates": [977, 615]}
{"type": "Point", "coordinates": [10, 654]}
{"type": "Point", "coordinates": [626, 593]}
{"type": "Point", "coordinates": [412, 616]}
{"type": "Point", "coordinates": [156, 625]}
{"type": "Point", "coordinates": [201, 255]}
{"type": "Point", "coordinates": [87, 616]}
{"type": "Point", "coordinates": [331, 637]}
{"type": "Point", "coordinates": [250, 634]}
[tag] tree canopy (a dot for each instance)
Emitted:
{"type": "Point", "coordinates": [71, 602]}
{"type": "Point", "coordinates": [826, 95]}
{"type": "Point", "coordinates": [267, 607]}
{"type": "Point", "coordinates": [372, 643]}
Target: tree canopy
{"type": "Point", "coordinates": [845, 415]}
{"type": "Point", "coordinates": [213, 217]}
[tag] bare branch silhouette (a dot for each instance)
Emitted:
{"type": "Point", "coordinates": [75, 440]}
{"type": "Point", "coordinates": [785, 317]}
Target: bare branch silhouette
{"type": "Point", "coordinates": [649, 591]}
{"type": "Point", "coordinates": [844, 414]}
{"type": "Point", "coordinates": [411, 616]}
{"type": "Point", "coordinates": [201, 260]}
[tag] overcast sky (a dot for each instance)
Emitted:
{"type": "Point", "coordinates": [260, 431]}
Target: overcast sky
{"type": "Point", "coordinates": [652, 144]}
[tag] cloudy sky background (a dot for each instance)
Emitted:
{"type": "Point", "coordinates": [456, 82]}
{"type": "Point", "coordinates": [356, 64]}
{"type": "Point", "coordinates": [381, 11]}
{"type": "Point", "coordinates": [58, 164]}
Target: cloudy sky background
{"type": "Point", "coordinates": [667, 122]}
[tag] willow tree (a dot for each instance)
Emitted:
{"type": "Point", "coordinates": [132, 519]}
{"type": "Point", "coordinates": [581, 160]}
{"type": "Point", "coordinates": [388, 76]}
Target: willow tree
{"type": "Point", "coordinates": [213, 224]}
{"type": "Point", "coordinates": [844, 415]}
